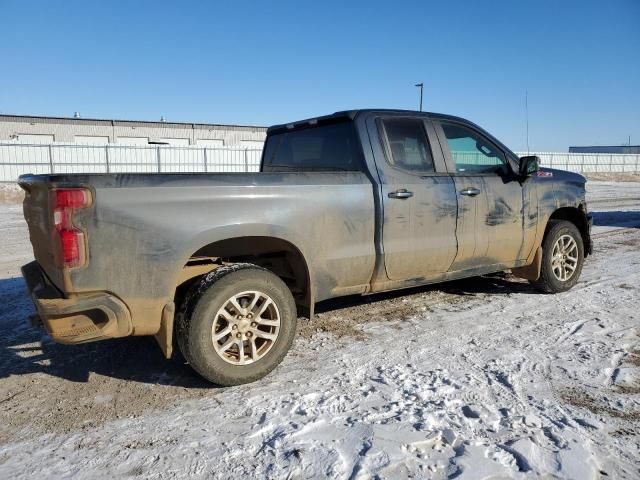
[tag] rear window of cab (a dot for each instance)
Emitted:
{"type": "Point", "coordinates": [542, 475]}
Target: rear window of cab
{"type": "Point", "coordinates": [332, 147]}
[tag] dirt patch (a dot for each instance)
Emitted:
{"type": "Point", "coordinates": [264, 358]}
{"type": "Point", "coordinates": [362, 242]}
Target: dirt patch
{"type": "Point", "coordinates": [625, 432]}
{"type": "Point", "coordinates": [48, 387]}
{"type": "Point", "coordinates": [583, 399]}
{"type": "Point", "coordinates": [344, 317]}
{"type": "Point", "coordinates": [633, 358]}
{"type": "Point", "coordinates": [629, 242]}
{"type": "Point", "coordinates": [334, 325]}
{"type": "Point", "coordinates": [347, 320]}
{"type": "Point", "coordinates": [628, 389]}
{"type": "Point", "coordinates": [11, 193]}
{"type": "Point", "coordinates": [78, 398]}
{"type": "Point", "coordinates": [613, 177]}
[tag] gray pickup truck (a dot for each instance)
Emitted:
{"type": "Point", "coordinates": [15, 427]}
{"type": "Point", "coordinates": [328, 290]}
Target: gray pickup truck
{"type": "Point", "coordinates": [356, 202]}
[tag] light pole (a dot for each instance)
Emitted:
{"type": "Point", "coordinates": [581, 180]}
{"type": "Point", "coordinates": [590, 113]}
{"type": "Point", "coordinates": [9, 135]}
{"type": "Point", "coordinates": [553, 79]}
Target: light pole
{"type": "Point", "coordinates": [421, 85]}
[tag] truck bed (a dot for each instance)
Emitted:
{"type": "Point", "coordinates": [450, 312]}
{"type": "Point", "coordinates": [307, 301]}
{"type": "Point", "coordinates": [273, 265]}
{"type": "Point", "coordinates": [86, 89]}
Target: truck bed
{"type": "Point", "coordinates": [142, 228]}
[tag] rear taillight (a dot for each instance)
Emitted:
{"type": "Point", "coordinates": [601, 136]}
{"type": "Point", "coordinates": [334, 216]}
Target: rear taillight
{"type": "Point", "coordinates": [70, 245]}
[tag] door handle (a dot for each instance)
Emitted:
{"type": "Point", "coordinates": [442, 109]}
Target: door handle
{"type": "Point", "coordinates": [402, 194]}
{"type": "Point", "coordinates": [470, 192]}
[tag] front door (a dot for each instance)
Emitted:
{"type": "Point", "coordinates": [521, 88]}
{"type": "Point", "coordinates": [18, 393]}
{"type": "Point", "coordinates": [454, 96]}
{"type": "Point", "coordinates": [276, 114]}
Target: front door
{"type": "Point", "coordinates": [418, 199]}
{"type": "Point", "coordinates": [490, 199]}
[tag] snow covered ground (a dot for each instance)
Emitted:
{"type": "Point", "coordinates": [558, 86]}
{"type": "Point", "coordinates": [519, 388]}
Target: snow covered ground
{"type": "Point", "coordinates": [481, 378]}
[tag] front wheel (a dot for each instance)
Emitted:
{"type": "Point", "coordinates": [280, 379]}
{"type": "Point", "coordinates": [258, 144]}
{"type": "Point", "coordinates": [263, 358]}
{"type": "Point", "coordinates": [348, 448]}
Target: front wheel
{"type": "Point", "coordinates": [562, 257]}
{"type": "Point", "coordinates": [236, 324]}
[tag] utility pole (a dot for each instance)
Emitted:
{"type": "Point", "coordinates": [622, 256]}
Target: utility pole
{"type": "Point", "coordinates": [526, 113]}
{"type": "Point", "coordinates": [421, 85]}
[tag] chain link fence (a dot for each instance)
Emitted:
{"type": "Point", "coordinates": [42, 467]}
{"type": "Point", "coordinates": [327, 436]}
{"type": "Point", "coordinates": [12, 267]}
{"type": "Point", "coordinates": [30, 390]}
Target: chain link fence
{"type": "Point", "coordinates": [18, 158]}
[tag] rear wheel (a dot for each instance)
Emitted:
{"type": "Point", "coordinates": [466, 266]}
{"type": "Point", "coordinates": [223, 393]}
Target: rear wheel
{"type": "Point", "coordinates": [236, 324]}
{"type": "Point", "coordinates": [562, 257]}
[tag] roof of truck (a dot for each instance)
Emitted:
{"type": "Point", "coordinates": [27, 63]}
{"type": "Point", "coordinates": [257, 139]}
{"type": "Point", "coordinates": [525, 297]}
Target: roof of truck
{"type": "Point", "coordinates": [352, 114]}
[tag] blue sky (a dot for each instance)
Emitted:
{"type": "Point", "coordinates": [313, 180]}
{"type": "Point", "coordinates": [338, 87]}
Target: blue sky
{"type": "Point", "coordinates": [271, 62]}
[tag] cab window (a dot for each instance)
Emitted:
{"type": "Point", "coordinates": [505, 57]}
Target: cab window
{"type": "Point", "coordinates": [408, 144]}
{"type": "Point", "coordinates": [472, 152]}
{"type": "Point", "coordinates": [330, 147]}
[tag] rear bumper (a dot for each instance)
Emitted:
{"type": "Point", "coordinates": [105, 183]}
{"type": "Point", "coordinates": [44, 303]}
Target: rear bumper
{"type": "Point", "coordinates": [77, 319]}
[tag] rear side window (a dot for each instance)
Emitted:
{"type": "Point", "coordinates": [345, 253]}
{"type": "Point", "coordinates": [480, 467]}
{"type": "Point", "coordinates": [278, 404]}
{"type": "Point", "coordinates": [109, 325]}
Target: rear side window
{"type": "Point", "coordinates": [324, 148]}
{"type": "Point", "coordinates": [408, 144]}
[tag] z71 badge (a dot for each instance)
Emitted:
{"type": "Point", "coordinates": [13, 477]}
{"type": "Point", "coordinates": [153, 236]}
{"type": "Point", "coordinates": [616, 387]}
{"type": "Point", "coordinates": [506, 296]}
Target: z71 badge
{"type": "Point", "coordinates": [545, 174]}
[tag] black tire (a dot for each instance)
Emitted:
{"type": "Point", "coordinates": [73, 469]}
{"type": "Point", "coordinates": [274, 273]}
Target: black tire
{"type": "Point", "coordinates": [548, 281]}
{"type": "Point", "coordinates": [196, 315]}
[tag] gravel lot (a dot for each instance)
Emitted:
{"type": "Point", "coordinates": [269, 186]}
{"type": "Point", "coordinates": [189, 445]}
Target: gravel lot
{"type": "Point", "coordinates": [474, 379]}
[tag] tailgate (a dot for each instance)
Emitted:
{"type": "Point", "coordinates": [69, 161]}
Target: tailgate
{"type": "Point", "coordinates": [38, 216]}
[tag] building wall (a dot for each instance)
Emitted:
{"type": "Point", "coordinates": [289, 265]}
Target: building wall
{"type": "Point", "coordinates": [99, 132]}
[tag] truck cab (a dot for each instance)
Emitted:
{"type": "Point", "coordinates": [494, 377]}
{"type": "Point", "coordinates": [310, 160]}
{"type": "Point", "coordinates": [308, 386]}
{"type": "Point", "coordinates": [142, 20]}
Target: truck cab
{"type": "Point", "coordinates": [450, 199]}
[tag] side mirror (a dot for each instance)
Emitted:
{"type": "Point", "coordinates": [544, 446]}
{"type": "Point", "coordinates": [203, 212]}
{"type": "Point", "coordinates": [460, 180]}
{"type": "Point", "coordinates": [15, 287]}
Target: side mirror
{"type": "Point", "coordinates": [529, 165]}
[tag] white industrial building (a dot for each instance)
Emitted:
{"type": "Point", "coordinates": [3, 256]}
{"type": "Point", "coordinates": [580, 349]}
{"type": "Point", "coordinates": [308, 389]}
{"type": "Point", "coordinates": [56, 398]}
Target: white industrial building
{"type": "Point", "coordinates": [84, 131]}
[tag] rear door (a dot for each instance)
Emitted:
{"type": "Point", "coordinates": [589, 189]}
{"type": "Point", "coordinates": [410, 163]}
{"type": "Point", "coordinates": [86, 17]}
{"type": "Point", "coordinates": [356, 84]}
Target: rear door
{"type": "Point", "coordinates": [418, 198]}
{"type": "Point", "coordinates": [490, 198]}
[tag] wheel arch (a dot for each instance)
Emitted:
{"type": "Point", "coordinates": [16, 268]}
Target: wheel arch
{"type": "Point", "coordinates": [275, 254]}
{"type": "Point", "coordinates": [269, 246]}
{"type": "Point", "coordinates": [577, 216]}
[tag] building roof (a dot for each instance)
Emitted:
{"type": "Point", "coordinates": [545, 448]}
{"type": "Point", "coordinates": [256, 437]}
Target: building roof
{"type": "Point", "coordinates": [45, 119]}
{"type": "Point", "coordinates": [623, 149]}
